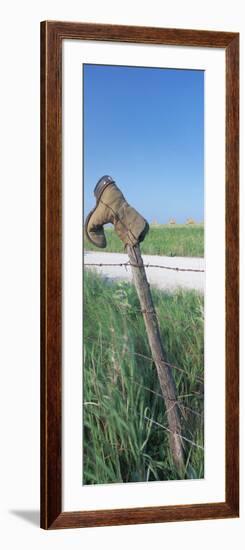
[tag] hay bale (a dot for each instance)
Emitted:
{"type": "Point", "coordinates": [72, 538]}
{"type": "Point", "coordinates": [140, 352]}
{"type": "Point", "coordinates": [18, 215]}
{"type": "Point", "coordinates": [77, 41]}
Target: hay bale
{"type": "Point", "coordinates": [190, 221]}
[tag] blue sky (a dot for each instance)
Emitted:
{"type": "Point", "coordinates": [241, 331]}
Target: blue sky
{"type": "Point", "coordinates": [145, 128]}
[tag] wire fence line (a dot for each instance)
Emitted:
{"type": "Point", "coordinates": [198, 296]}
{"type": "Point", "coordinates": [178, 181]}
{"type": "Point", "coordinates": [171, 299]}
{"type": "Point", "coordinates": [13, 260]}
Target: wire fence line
{"type": "Point", "coordinates": [197, 395]}
{"type": "Point", "coordinates": [174, 433]}
{"type": "Point", "coordinates": [124, 349]}
{"type": "Point", "coordinates": [129, 264]}
{"type": "Point", "coordinates": [127, 308]}
{"type": "Point", "coordinates": [158, 424]}
{"type": "Point", "coordinates": [161, 397]}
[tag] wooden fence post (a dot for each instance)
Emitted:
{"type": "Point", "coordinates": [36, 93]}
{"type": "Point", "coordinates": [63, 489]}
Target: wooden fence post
{"type": "Point", "coordinates": [164, 372]}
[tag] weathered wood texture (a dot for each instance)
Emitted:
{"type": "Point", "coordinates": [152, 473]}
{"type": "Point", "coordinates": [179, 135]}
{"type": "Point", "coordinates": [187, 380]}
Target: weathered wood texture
{"type": "Point", "coordinates": [52, 35]}
{"type": "Point", "coordinates": [164, 372]}
{"type": "Point", "coordinates": [51, 258]}
{"type": "Point", "coordinates": [232, 273]}
{"type": "Point", "coordinates": [141, 35]}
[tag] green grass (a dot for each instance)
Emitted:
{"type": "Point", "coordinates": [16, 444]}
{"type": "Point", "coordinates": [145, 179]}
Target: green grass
{"type": "Point", "coordinates": [164, 240]}
{"type": "Point", "coordinates": [122, 396]}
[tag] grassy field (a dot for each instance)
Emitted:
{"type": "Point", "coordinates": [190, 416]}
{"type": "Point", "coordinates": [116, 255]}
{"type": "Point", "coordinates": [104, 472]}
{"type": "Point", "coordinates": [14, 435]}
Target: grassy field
{"type": "Point", "coordinates": [122, 396]}
{"type": "Point", "coordinates": [164, 240]}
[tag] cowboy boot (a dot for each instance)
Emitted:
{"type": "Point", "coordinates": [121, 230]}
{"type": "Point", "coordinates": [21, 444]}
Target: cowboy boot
{"type": "Point", "coordinates": [112, 207]}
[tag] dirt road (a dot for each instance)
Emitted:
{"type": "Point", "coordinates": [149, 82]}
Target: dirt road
{"type": "Point", "coordinates": [161, 278]}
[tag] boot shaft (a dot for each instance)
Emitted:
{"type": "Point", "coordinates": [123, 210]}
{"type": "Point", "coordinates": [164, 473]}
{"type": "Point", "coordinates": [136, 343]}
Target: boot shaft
{"type": "Point", "coordinates": [112, 207]}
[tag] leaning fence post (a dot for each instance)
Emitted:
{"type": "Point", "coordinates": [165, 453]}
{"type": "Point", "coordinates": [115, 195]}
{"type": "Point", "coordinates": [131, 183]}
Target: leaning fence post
{"type": "Point", "coordinates": [112, 207]}
{"type": "Point", "coordinates": [163, 370]}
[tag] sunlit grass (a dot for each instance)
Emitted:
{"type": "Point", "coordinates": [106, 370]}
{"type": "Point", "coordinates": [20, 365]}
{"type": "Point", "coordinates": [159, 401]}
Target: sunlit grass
{"type": "Point", "coordinates": [122, 396]}
{"type": "Point", "coordinates": [164, 240]}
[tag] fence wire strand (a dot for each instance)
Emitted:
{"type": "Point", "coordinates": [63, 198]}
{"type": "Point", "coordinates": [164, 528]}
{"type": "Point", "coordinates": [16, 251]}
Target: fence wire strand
{"type": "Point", "coordinates": [129, 264]}
{"type": "Point", "coordinates": [181, 406]}
{"type": "Point", "coordinates": [143, 356]}
{"type": "Point", "coordinates": [126, 309]}
{"type": "Point", "coordinates": [179, 398]}
{"type": "Point", "coordinates": [174, 433]}
{"type": "Point", "coordinates": [159, 425]}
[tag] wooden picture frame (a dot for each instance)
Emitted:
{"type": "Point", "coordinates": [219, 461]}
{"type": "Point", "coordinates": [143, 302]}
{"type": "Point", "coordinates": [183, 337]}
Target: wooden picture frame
{"type": "Point", "coordinates": [52, 35]}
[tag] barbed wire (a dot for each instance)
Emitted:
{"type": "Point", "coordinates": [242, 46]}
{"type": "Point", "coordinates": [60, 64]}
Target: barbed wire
{"type": "Point", "coordinates": [142, 355]}
{"type": "Point", "coordinates": [174, 433]}
{"type": "Point", "coordinates": [128, 264]}
{"type": "Point", "coordinates": [161, 397]}
{"type": "Point", "coordinates": [163, 362]}
{"type": "Point", "coordinates": [158, 424]}
{"type": "Point", "coordinates": [127, 308]}
{"type": "Point", "coordinates": [177, 402]}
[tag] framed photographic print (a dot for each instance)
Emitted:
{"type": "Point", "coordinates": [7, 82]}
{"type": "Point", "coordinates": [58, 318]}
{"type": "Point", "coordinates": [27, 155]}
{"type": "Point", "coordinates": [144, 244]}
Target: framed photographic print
{"type": "Point", "coordinates": [139, 275]}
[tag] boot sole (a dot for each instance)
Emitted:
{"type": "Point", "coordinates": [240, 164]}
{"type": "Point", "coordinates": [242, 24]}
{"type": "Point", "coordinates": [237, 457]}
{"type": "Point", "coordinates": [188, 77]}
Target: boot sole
{"type": "Point", "coordinates": [86, 227]}
{"type": "Point", "coordinates": [99, 193]}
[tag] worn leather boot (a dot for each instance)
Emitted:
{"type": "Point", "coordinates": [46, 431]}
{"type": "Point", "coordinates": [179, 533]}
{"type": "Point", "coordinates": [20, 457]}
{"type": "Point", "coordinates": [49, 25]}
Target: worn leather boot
{"type": "Point", "coordinates": [112, 207]}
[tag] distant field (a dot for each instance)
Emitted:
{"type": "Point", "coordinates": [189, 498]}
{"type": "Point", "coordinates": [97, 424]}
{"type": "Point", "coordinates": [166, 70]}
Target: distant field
{"type": "Point", "coordinates": [164, 240]}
